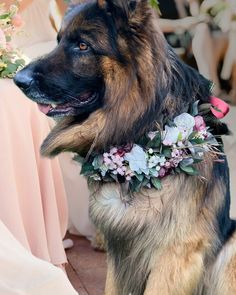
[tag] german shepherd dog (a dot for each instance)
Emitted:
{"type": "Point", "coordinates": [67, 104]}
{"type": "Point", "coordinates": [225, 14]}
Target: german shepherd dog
{"type": "Point", "coordinates": [111, 78]}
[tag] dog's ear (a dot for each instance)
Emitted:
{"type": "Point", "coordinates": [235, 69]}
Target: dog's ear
{"type": "Point", "coordinates": [124, 8]}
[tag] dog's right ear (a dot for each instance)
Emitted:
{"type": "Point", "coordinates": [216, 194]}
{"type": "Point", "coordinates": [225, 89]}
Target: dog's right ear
{"type": "Point", "coordinates": [115, 6]}
{"type": "Point", "coordinates": [124, 8]}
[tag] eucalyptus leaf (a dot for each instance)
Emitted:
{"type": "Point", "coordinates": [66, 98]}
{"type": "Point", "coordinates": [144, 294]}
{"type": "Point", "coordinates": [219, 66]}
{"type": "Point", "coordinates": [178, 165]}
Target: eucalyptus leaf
{"type": "Point", "coordinates": [194, 111]}
{"type": "Point", "coordinates": [156, 182]}
{"type": "Point", "coordinates": [190, 170]}
{"type": "Point", "coordinates": [140, 177]}
{"type": "Point", "coordinates": [87, 169]}
{"type": "Point", "coordinates": [187, 162]}
{"type": "Point", "coordinates": [167, 152]}
{"type": "Point", "coordinates": [155, 142]}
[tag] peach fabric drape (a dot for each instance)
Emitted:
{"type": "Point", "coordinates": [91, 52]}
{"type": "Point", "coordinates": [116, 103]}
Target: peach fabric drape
{"type": "Point", "coordinates": [22, 273]}
{"type": "Point", "coordinates": [33, 201]}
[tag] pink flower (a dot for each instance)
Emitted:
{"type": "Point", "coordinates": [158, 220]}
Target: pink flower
{"type": "Point", "coordinates": [167, 165]}
{"type": "Point", "coordinates": [3, 42]}
{"type": "Point", "coordinates": [162, 172]}
{"type": "Point", "coordinates": [121, 152]}
{"type": "Point", "coordinates": [200, 124]}
{"type": "Point", "coordinates": [121, 171]}
{"type": "Point", "coordinates": [17, 21]}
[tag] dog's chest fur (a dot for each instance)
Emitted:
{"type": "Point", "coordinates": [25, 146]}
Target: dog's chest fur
{"type": "Point", "coordinates": [149, 229]}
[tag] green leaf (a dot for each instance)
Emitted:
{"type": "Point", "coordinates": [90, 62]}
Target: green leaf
{"type": "Point", "coordinates": [20, 62]}
{"type": "Point", "coordinates": [156, 182]}
{"type": "Point", "coordinates": [194, 110]}
{"type": "Point", "coordinates": [155, 142]}
{"type": "Point", "coordinates": [197, 141]}
{"type": "Point", "coordinates": [87, 169]}
{"type": "Point", "coordinates": [187, 162]}
{"type": "Point", "coordinates": [140, 177]}
{"type": "Point", "coordinates": [155, 4]}
{"type": "Point", "coordinates": [5, 16]}
{"type": "Point", "coordinates": [12, 67]}
{"type": "Point", "coordinates": [177, 170]}
{"type": "Point", "coordinates": [135, 185]}
{"type": "Point", "coordinates": [145, 182]}
{"type": "Point", "coordinates": [192, 135]}
{"type": "Point", "coordinates": [196, 160]}
{"type": "Point", "coordinates": [167, 152]}
{"type": "Point", "coordinates": [190, 170]}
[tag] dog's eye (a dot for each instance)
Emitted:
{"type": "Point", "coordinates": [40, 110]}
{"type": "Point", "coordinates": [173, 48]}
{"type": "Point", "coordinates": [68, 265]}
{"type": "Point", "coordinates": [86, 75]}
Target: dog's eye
{"type": "Point", "coordinates": [83, 46]}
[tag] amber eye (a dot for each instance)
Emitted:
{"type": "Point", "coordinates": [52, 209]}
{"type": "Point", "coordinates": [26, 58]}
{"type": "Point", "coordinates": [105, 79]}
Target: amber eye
{"type": "Point", "coordinates": [83, 46]}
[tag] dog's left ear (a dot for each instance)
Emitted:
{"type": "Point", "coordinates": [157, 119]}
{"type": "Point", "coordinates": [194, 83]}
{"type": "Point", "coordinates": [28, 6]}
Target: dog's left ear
{"type": "Point", "coordinates": [127, 8]}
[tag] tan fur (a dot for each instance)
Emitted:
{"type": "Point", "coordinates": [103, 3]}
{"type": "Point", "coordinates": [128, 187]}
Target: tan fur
{"type": "Point", "coordinates": [79, 137]}
{"type": "Point", "coordinates": [177, 265]}
{"type": "Point", "coordinates": [110, 288]}
{"type": "Point", "coordinates": [222, 277]}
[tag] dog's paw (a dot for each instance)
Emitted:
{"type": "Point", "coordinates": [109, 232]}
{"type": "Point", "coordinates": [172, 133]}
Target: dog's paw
{"type": "Point", "coordinates": [98, 242]}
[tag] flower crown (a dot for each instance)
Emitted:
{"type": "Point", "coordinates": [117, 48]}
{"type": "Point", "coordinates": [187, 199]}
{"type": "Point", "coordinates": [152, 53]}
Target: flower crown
{"type": "Point", "coordinates": [176, 149]}
{"type": "Point", "coordinates": [10, 57]}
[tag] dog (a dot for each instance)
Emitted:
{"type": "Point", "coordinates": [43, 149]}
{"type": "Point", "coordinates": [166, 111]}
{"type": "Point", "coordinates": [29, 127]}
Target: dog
{"type": "Point", "coordinates": [111, 78]}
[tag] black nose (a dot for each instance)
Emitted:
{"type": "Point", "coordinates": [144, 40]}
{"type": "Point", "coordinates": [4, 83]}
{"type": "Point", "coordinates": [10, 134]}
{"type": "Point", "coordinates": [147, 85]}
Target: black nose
{"type": "Point", "coordinates": [23, 79]}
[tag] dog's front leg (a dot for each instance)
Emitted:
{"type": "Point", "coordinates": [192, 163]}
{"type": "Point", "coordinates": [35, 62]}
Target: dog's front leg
{"type": "Point", "coordinates": [177, 271]}
{"type": "Point", "coordinates": [110, 288]}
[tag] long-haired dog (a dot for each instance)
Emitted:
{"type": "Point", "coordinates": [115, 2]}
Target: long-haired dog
{"type": "Point", "coordinates": [111, 78]}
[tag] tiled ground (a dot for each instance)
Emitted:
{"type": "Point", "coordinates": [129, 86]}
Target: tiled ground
{"type": "Point", "coordinates": [87, 268]}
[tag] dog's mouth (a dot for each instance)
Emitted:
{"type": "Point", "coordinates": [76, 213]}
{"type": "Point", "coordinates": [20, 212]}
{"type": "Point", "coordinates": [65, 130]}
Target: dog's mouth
{"type": "Point", "coordinates": [71, 108]}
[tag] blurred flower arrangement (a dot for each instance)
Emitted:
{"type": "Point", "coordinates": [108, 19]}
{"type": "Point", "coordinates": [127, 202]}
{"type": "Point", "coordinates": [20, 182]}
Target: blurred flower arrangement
{"type": "Point", "coordinates": [176, 149]}
{"type": "Point", "coordinates": [223, 12]}
{"type": "Point", "coordinates": [10, 57]}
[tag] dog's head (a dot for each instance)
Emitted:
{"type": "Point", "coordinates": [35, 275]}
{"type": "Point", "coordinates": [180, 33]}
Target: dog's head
{"type": "Point", "coordinates": [111, 58]}
{"type": "Point", "coordinates": [94, 43]}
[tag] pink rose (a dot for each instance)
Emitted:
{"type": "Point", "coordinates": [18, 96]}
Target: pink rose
{"type": "Point", "coordinates": [3, 42]}
{"type": "Point", "coordinates": [200, 124]}
{"type": "Point", "coordinates": [17, 21]}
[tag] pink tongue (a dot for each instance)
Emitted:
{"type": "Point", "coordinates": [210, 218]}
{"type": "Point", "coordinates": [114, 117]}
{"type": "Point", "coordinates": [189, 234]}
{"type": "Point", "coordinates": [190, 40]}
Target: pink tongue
{"type": "Point", "coordinates": [44, 108]}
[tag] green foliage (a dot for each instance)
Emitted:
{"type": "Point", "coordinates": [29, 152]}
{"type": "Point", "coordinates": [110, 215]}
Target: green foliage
{"type": "Point", "coordinates": [155, 4]}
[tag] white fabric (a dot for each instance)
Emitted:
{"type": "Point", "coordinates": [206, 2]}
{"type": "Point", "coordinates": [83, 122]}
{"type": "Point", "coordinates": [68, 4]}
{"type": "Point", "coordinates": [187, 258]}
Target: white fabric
{"type": "Point", "coordinates": [78, 197]}
{"type": "Point", "coordinates": [23, 274]}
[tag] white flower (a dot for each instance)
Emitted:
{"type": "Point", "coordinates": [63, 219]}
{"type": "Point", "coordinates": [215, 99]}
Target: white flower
{"type": "Point", "coordinates": [153, 161]}
{"type": "Point", "coordinates": [136, 158]}
{"type": "Point", "coordinates": [185, 124]}
{"type": "Point", "coordinates": [170, 135]}
{"type": "Point", "coordinates": [162, 161]}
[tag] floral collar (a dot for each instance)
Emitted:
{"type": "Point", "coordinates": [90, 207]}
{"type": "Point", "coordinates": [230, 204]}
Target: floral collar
{"type": "Point", "coordinates": [176, 149]}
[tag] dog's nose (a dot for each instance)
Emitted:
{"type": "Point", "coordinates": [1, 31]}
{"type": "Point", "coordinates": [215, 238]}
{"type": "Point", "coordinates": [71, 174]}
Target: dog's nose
{"type": "Point", "coordinates": [23, 79]}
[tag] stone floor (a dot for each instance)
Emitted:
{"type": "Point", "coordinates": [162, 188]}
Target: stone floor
{"type": "Point", "coordinates": [86, 268]}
